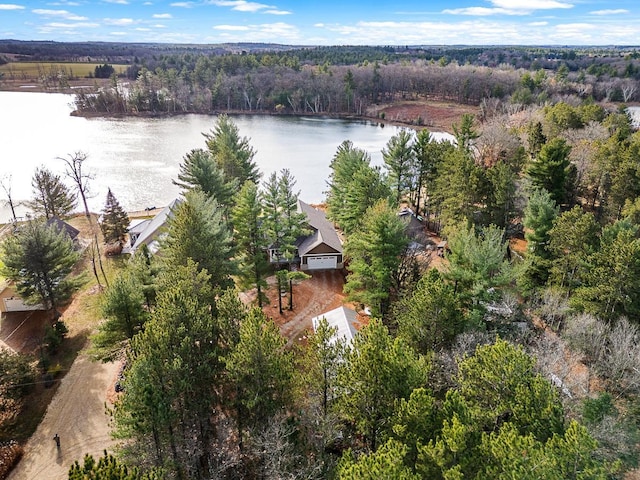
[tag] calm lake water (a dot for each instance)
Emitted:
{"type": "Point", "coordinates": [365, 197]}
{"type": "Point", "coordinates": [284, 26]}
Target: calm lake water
{"type": "Point", "coordinates": [138, 157]}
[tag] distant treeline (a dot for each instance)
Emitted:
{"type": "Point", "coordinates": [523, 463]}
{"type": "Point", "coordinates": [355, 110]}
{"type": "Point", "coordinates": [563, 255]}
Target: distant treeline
{"type": "Point", "coordinates": [174, 78]}
{"type": "Point", "coordinates": [289, 82]}
{"type": "Point", "coordinates": [614, 61]}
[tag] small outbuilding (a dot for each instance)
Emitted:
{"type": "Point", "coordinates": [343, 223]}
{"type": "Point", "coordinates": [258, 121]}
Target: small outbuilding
{"type": "Point", "coordinates": [343, 319]}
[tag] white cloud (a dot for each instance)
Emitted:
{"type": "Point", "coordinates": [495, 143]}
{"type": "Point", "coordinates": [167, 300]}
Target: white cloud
{"type": "Point", "coordinates": [508, 7]}
{"type": "Point", "coordinates": [119, 21]}
{"type": "Point", "coordinates": [618, 11]}
{"type": "Point", "coordinates": [241, 5]}
{"type": "Point", "coordinates": [119, 2]}
{"type": "Point", "coordinates": [182, 4]}
{"type": "Point", "coordinates": [482, 11]}
{"type": "Point", "coordinates": [538, 24]}
{"type": "Point", "coordinates": [162, 15]}
{"type": "Point", "coordinates": [143, 29]}
{"type": "Point", "coordinates": [59, 13]}
{"type": "Point", "coordinates": [530, 5]}
{"type": "Point", "coordinates": [159, 25]}
{"type": "Point", "coordinates": [64, 4]}
{"type": "Point", "coordinates": [10, 6]}
{"type": "Point", "coordinates": [277, 12]}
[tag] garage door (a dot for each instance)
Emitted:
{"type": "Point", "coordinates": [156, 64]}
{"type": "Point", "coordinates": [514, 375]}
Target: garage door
{"type": "Point", "coordinates": [324, 262]}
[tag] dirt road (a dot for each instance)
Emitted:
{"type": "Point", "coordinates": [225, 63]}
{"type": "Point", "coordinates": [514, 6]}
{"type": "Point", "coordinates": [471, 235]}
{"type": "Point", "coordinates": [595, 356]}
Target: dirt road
{"type": "Point", "coordinates": [77, 414]}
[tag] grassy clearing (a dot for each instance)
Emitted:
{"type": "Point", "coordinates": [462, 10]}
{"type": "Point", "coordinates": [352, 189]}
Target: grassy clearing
{"type": "Point", "coordinates": [34, 70]}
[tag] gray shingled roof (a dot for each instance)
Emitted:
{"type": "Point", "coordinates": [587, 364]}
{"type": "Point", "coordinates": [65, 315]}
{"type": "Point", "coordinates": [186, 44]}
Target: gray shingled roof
{"type": "Point", "coordinates": [154, 225]}
{"type": "Point", "coordinates": [323, 231]}
{"type": "Point", "coordinates": [62, 226]}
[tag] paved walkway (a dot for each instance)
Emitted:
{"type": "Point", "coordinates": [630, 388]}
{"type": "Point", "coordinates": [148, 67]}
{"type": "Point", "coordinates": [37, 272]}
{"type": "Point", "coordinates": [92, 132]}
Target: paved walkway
{"type": "Point", "coordinates": [77, 414]}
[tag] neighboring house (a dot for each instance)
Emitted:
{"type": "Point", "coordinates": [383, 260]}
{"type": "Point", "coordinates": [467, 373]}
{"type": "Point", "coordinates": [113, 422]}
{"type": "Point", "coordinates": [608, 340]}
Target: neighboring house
{"type": "Point", "coordinates": [414, 228]}
{"type": "Point", "coordinates": [150, 231]}
{"type": "Point", "coordinates": [10, 301]}
{"type": "Point", "coordinates": [343, 319]}
{"type": "Point", "coordinates": [64, 227]}
{"type": "Point", "coordinates": [321, 249]}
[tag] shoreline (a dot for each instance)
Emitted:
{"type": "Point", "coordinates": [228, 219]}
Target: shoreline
{"type": "Point", "coordinates": [434, 115]}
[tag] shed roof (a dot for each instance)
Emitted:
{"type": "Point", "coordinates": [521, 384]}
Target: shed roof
{"type": "Point", "coordinates": [343, 319]}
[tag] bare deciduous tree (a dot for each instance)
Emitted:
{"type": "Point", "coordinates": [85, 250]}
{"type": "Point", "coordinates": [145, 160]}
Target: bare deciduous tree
{"type": "Point", "coordinates": [5, 182]}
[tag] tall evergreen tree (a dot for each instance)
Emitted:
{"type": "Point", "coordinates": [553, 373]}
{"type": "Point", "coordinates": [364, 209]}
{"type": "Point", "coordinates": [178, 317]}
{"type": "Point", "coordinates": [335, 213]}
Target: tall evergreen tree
{"type": "Point", "coordinates": [261, 370]}
{"type": "Point", "coordinates": [123, 308]}
{"type": "Point", "coordinates": [346, 161]}
{"type": "Point", "coordinates": [399, 157]}
{"type": "Point", "coordinates": [376, 373]}
{"type": "Point", "coordinates": [51, 197]}
{"type": "Point", "coordinates": [429, 154]}
{"type": "Point", "coordinates": [572, 239]}
{"type": "Point", "coordinates": [430, 317]}
{"type": "Point", "coordinates": [250, 240]}
{"type": "Point", "coordinates": [200, 170]}
{"type": "Point", "coordinates": [478, 266]}
{"type": "Point", "coordinates": [232, 153]}
{"type": "Point", "coordinates": [374, 255]}
{"type": "Point", "coordinates": [551, 169]}
{"type": "Point", "coordinates": [115, 220]}
{"type": "Point", "coordinates": [174, 380]}
{"type": "Point", "coordinates": [464, 133]}
{"type": "Point", "coordinates": [539, 214]}
{"type": "Point", "coordinates": [39, 259]}
{"type": "Point", "coordinates": [197, 231]}
{"type": "Point", "coordinates": [459, 188]}
{"type": "Point", "coordinates": [283, 224]}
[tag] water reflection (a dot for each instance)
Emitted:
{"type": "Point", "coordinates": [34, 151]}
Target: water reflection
{"type": "Point", "coordinates": [138, 157]}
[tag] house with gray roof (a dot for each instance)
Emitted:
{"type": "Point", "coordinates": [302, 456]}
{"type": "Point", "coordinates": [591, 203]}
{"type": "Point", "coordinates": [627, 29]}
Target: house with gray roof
{"type": "Point", "coordinates": [322, 248]}
{"type": "Point", "coordinates": [150, 231]}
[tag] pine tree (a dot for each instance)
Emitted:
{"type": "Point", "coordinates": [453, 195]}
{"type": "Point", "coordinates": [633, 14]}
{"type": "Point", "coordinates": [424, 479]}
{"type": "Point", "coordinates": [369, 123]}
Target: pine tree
{"type": "Point", "coordinates": [232, 153]}
{"type": "Point", "coordinates": [539, 214]}
{"type": "Point", "coordinates": [115, 220]}
{"type": "Point", "coordinates": [39, 259]}
{"type": "Point", "coordinates": [283, 224]}
{"type": "Point", "coordinates": [376, 373]}
{"type": "Point", "coordinates": [197, 231]}
{"type": "Point", "coordinates": [261, 370]}
{"type": "Point", "coordinates": [374, 255]}
{"type": "Point", "coordinates": [200, 170]}
{"type": "Point", "coordinates": [51, 197]}
{"type": "Point", "coordinates": [399, 157]}
{"type": "Point", "coordinates": [250, 239]}
{"type": "Point", "coordinates": [550, 170]}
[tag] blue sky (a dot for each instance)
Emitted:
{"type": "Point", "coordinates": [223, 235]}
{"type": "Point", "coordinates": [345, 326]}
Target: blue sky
{"type": "Point", "coordinates": [331, 22]}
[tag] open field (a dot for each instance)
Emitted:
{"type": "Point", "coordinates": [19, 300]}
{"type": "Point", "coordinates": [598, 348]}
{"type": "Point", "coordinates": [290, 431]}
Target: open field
{"type": "Point", "coordinates": [34, 70]}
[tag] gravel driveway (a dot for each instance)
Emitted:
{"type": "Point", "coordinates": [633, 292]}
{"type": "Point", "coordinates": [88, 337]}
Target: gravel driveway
{"type": "Point", "coordinates": [77, 414]}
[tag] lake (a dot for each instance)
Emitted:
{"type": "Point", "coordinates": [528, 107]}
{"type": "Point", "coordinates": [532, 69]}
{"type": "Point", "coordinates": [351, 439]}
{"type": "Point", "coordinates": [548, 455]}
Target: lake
{"type": "Point", "coordinates": [138, 157]}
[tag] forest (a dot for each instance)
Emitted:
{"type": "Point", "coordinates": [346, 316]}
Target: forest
{"type": "Point", "coordinates": [469, 367]}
